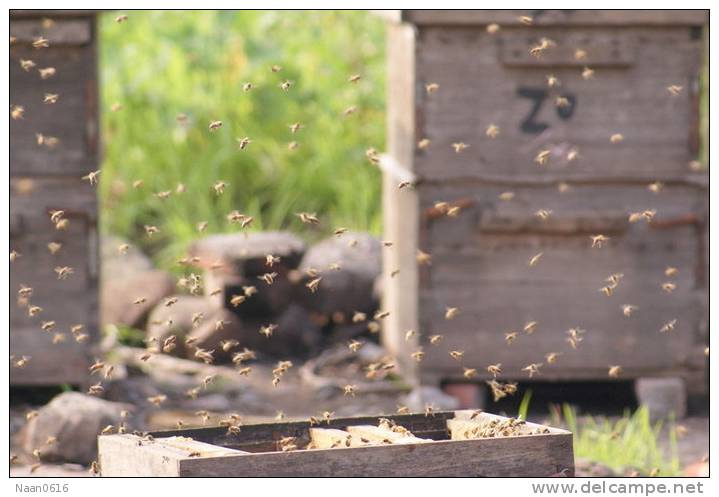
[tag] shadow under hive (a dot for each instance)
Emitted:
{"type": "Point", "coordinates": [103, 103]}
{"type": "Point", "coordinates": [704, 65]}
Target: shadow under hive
{"type": "Point", "coordinates": [480, 257]}
{"type": "Point", "coordinates": [44, 178]}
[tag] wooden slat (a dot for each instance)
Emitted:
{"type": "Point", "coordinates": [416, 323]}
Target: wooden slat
{"type": "Point", "coordinates": [383, 435]}
{"type": "Point", "coordinates": [127, 455]}
{"type": "Point", "coordinates": [557, 17]}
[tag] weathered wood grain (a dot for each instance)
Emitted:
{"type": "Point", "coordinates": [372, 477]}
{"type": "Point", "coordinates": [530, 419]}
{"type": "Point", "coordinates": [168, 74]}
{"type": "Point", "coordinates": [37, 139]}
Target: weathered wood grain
{"type": "Point", "coordinates": [535, 455]}
{"type": "Point", "coordinates": [329, 438]}
{"type": "Point", "coordinates": [543, 18]}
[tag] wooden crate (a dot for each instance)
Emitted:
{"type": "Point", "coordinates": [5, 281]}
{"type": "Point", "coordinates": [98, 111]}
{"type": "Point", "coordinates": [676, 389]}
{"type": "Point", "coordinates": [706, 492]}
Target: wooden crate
{"type": "Point", "coordinates": [479, 258]}
{"type": "Point", "coordinates": [438, 447]}
{"type": "Point", "coordinates": [44, 179]}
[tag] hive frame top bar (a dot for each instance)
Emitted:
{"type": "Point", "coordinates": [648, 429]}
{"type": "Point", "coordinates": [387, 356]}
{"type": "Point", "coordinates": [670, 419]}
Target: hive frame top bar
{"type": "Point", "coordinates": [549, 17]}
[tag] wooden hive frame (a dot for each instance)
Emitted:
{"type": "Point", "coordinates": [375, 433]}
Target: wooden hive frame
{"type": "Point", "coordinates": [344, 447]}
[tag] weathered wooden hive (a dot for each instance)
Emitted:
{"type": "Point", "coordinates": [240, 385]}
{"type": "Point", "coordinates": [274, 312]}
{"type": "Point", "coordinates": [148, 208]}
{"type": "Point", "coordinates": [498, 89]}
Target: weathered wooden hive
{"type": "Point", "coordinates": [452, 443]}
{"type": "Point", "coordinates": [46, 177]}
{"type": "Point", "coordinates": [479, 259]}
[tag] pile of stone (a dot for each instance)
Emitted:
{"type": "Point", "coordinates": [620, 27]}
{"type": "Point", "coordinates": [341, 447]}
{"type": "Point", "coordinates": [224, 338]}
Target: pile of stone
{"type": "Point", "coordinates": [310, 294]}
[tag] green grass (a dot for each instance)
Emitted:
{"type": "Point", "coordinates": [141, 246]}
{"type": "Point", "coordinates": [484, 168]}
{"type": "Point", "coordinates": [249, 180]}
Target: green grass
{"type": "Point", "coordinates": [629, 443]}
{"type": "Point", "coordinates": [162, 63]}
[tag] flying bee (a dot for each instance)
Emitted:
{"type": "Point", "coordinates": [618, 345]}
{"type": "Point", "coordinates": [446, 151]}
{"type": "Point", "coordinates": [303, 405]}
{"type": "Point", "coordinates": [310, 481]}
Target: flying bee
{"type": "Point", "coordinates": [27, 64]}
{"type": "Point", "coordinates": [108, 372]}
{"type": "Point", "coordinates": [58, 338]}
{"type": "Point", "coordinates": [381, 314]}
{"type": "Point", "coordinates": [428, 410]}
{"type": "Point", "coordinates": [171, 301]}
{"type": "Point", "coordinates": [506, 196]}
{"type": "Point", "coordinates": [635, 217]}
{"type": "Point", "coordinates": [495, 369]}
{"type": "Point", "coordinates": [616, 138]}
{"type": "Point", "coordinates": [535, 259]}
{"type": "Point", "coordinates": [668, 326]}
{"type": "Point", "coordinates": [169, 344]}
{"type": "Point", "coordinates": [121, 18]}
{"type": "Point", "coordinates": [22, 362]}
{"type": "Point", "coordinates": [308, 218]}
{"type": "Point", "coordinates": [417, 355]}
{"type": "Point", "coordinates": [219, 187]}
{"type": "Point", "coordinates": [354, 345]}
{"type": "Point", "coordinates": [91, 177]}
{"type": "Point", "coordinates": [459, 147]}
{"type": "Point", "coordinates": [372, 156]}
{"type": "Point", "coordinates": [34, 310]}
{"type": "Point", "coordinates": [613, 279]}
{"type": "Point", "coordinates": [614, 371]}
{"type": "Point", "coordinates": [268, 278]}
{"type": "Point", "coordinates": [157, 400]}
{"type": "Point", "coordinates": [151, 230]}
{"type": "Point", "coordinates": [469, 372]}
{"type": "Point", "coordinates": [228, 345]}
{"type": "Point", "coordinates": [552, 357]}
{"type": "Point", "coordinates": [95, 389]}
{"type": "Point", "coordinates": [435, 339]}
{"type": "Point", "coordinates": [669, 287]}
{"type": "Point", "coordinates": [530, 327]}
{"type": "Point", "coordinates": [675, 90]}
{"type": "Point", "coordinates": [30, 415]}
{"type": "Point", "coordinates": [164, 195]}
{"type": "Point", "coordinates": [214, 125]}
{"type": "Point", "coordinates": [350, 390]}
{"type": "Point", "coordinates": [409, 334]}
{"type": "Point", "coordinates": [628, 309]}
{"type": "Point", "coordinates": [580, 54]}
{"type": "Point", "coordinates": [285, 85]}
{"type": "Point", "coordinates": [17, 112]}
{"type": "Point", "coordinates": [552, 81]}
{"type": "Point", "coordinates": [314, 284]}
{"type": "Point", "coordinates": [205, 355]}
{"type": "Point", "coordinates": [655, 187]}
{"type": "Point", "coordinates": [542, 157]}
{"type": "Point", "coordinates": [268, 330]}
{"type": "Point", "coordinates": [50, 98]}
{"type": "Point", "coordinates": [373, 327]}
{"type": "Point", "coordinates": [98, 365]}
{"type": "Point", "coordinates": [493, 28]}
{"type": "Point", "coordinates": [510, 337]}
{"type": "Point", "coordinates": [247, 86]}
{"type": "Point", "coordinates": [245, 371]}
{"type": "Point", "coordinates": [456, 354]}
{"type": "Point", "coordinates": [48, 141]}
{"type": "Point", "coordinates": [352, 109]}
{"type": "Point", "coordinates": [574, 336]}
{"type": "Point", "coordinates": [107, 430]}
{"type": "Point", "coordinates": [63, 272]}
{"type": "Point", "coordinates": [451, 313]}
{"type": "Point", "coordinates": [431, 88]}
{"type": "Point", "coordinates": [236, 300]}
{"type": "Point", "coordinates": [587, 73]}
{"type": "Point", "coordinates": [532, 369]}
{"type": "Point", "coordinates": [561, 102]}
{"type": "Point", "coordinates": [423, 144]}
{"type": "Point", "coordinates": [526, 20]}
{"type": "Point", "coordinates": [492, 131]}
{"type": "Point", "coordinates": [47, 72]}
{"type": "Point", "coordinates": [607, 290]}
{"type": "Point", "coordinates": [543, 214]}
{"type": "Point", "coordinates": [354, 78]}
{"type": "Point", "coordinates": [394, 273]}
{"type": "Point", "coordinates": [137, 183]}
{"type": "Point", "coordinates": [41, 42]}
{"type": "Point", "coordinates": [51, 440]}
{"type": "Point", "coordinates": [598, 240]}
{"type": "Point", "coordinates": [47, 325]}
{"type": "Point", "coordinates": [423, 258]}
{"type": "Point", "coordinates": [670, 271]}
{"type": "Point", "coordinates": [295, 127]}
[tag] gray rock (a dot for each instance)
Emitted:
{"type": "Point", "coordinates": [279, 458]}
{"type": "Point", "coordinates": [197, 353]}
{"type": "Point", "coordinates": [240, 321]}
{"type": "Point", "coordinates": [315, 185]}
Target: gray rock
{"type": "Point", "coordinates": [663, 397]}
{"type": "Point", "coordinates": [419, 397]}
{"type": "Point", "coordinates": [243, 259]}
{"type": "Point", "coordinates": [115, 264]}
{"type": "Point", "coordinates": [119, 291]}
{"type": "Point", "coordinates": [180, 314]}
{"type": "Point", "coordinates": [76, 420]}
{"type": "Point", "coordinates": [350, 288]}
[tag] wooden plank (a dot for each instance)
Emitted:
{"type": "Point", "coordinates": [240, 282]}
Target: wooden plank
{"type": "Point", "coordinates": [400, 207]}
{"type": "Point", "coordinates": [194, 448]}
{"type": "Point", "coordinates": [557, 17]}
{"type": "Point", "coordinates": [541, 455]}
{"type": "Point", "coordinates": [128, 455]}
{"type": "Point", "coordinates": [383, 435]}
{"type": "Point", "coordinates": [60, 32]}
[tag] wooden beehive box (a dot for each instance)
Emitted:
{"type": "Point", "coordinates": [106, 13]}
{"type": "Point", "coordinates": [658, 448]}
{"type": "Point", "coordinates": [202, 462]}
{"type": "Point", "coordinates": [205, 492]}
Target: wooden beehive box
{"type": "Point", "coordinates": [44, 178]}
{"type": "Point", "coordinates": [439, 446]}
{"type": "Point", "coordinates": [480, 257]}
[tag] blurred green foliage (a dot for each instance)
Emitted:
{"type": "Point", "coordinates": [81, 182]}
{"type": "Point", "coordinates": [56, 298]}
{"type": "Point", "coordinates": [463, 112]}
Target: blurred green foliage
{"type": "Point", "coordinates": [159, 64]}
